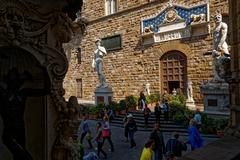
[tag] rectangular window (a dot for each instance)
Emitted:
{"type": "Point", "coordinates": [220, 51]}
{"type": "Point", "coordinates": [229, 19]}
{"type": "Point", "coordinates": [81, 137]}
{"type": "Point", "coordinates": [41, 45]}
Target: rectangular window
{"type": "Point", "coordinates": [111, 6]}
{"type": "Point", "coordinates": [79, 55]}
{"type": "Point", "coordinates": [112, 43]}
{"type": "Point", "coordinates": [79, 88]}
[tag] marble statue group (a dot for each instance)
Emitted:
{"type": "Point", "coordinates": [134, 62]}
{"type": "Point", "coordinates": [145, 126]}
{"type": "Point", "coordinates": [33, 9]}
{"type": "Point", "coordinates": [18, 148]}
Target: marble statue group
{"type": "Point", "coordinates": [220, 53]}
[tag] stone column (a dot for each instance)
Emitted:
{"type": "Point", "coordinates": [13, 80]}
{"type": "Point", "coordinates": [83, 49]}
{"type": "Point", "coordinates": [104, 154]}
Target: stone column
{"type": "Point", "coordinates": [234, 28]}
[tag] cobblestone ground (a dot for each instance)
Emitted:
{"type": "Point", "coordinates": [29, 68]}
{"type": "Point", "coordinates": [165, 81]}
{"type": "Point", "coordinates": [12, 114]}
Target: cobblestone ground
{"type": "Point", "coordinates": [122, 149]}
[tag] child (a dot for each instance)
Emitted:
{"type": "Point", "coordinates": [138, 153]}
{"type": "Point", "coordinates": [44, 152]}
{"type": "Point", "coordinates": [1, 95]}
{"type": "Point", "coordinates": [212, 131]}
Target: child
{"type": "Point", "coordinates": [99, 140]}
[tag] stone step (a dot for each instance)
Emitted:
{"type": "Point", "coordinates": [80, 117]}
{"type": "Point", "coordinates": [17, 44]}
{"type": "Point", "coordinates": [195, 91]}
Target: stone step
{"type": "Point", "coordinates": [182, 130]}
{"type": "Point", "coordinates": [151, 118]}
{"type": "Point", "coordinates": [164, 124]}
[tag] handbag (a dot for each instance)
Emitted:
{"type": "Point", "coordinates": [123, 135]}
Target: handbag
{"type": "Point", "coordinates": [106, 133]}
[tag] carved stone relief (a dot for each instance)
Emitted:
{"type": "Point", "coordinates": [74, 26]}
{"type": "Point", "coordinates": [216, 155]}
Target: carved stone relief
{"type": "Point", "coordinates": [23, 25]}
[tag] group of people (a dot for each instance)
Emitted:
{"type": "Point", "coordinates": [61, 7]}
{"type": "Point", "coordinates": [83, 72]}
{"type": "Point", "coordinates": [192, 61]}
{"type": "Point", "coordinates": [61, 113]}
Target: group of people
{"type": "Point", "coordinates": [159, 109]}
{"type": "Point", "coordinates": [103, 133]}
{"type": "Point", "coordinates": [156, 149]}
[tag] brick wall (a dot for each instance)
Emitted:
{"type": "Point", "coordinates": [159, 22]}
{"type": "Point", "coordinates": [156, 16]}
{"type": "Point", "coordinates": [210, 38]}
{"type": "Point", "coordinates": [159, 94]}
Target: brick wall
{"type": "Point", "coordinates": [128, 69]}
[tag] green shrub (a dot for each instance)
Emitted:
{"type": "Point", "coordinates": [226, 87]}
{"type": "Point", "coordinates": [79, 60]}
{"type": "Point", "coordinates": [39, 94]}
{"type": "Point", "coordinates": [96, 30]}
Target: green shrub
{"type": "Point", "coordinates": [131, 101]}
{"type": "Point", "coordinates": [93, 111]}
{"type": "Point", "coordinates": [152, 98]}
{"type": "Point", "coordinates": [113, 106]}
{"type": "Point", "coordinates": [121, 105]}
{"type": "Point", "coordinates": [181, 114]}
{"type": "Point", "coordinates": [100, 107]}
{"type": "Point", "coordinates": [180, 97]}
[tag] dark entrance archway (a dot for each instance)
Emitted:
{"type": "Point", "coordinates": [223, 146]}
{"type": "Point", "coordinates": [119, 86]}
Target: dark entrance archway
{"type": "Point", "coordinates": [23, 86]}
{"type": "Point", "coordinates": [173, 70]}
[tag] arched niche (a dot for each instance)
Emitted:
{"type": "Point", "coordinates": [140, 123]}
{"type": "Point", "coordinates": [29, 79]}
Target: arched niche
{"type": "Point", "coordinates": [35, 107]}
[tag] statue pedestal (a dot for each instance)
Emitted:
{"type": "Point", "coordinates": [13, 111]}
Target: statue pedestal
{"type": "Point", "coordinates": [216, 99]}
{"type": "Point", "coordinates": [103, 95]}
{"type": "Point", "coordinates": [190, 103]}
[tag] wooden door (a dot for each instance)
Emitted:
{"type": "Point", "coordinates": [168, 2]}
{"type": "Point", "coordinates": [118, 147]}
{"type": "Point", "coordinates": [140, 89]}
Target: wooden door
{"type": "Point", "coordinates": [173, 71]}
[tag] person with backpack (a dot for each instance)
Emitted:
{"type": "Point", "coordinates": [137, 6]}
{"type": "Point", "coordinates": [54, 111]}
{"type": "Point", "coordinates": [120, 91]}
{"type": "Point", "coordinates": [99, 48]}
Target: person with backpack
{"type": "Point", "coordinates": [131, 128]}
{"type": "Point", "coordinates": [147, 113]}
{"type": "Point", "coordinates": [174, 147]}
{"type": "Point", "coordinates": [86, 132]}
{"type": "Point", "coordinates": [157, 112]}
{"type": "Point", "coordinates": [166, 111]}
{"type": "Point", "coordinates": [125, 121]}
{"type": "Point", "coordinates": [159, 149]}
{"type": "Point", "coordinates": [141, 101]}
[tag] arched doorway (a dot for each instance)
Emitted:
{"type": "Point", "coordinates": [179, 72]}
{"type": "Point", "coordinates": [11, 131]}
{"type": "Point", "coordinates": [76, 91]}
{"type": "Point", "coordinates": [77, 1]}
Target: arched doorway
{"type": "Point", "coordinates": [173, 71]}
{"type": "Point", "coordinates": [23, 106]}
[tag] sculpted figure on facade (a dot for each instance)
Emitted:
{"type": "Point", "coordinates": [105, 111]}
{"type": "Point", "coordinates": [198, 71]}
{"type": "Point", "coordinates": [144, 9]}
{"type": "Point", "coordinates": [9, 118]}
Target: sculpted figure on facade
{"type": "Point", "coordinates": [147, 88]}
{"type": "Point", "coordinates": [189, 90]}
{"type": "Point", "coordinates": [220, 51]}
{"type": "Point", "coordinates": [97, 63]}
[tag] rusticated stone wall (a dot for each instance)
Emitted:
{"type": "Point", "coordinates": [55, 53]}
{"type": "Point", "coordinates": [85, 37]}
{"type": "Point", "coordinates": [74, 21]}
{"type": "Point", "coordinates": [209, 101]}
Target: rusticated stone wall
{"type": "Point", "coordinates": [128, 69]}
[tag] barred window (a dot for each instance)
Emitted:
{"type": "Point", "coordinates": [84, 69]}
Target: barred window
{"type": "Point", "coordinates": [112, 42]}
{"type": "Point", "coordinates": [79, 88]}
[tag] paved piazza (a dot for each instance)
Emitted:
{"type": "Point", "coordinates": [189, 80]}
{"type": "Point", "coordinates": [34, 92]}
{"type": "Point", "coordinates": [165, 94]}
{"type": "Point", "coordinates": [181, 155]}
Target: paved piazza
{"type": "Point", "coordinates": [122, 149]}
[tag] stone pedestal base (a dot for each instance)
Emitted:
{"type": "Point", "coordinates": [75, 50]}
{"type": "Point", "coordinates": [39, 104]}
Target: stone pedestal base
{"type": "Point", "coordinates": [216, 98]}
{"type": "Point", "coordinates": [191, 104]}
{"type": "Point", "coordinates": [103, 95]}
{"type": "Point", "coordinates": [226, 148]}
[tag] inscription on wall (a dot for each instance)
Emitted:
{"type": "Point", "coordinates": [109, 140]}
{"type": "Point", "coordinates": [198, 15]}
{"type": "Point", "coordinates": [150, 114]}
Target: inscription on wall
{"type": "Point", "coordinates": [167, 36]}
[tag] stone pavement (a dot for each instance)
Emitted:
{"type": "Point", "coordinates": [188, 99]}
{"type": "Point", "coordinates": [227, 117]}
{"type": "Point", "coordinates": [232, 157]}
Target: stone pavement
{"type": "Point", "coordinates": [122, 149]}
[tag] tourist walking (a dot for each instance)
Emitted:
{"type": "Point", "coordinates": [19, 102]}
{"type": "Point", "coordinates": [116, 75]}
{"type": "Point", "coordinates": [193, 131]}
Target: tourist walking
{"type": "Point", "coordinates": [159, 149]}
{"type": "Point", "coordinates": [174, 147]}
{"type": "Point", "coordinates": [131, 128]}
{"type": "Point", "coordinates": [197, 117]}
{"type": "Point", "coordinates": [99, 140]}
{"type": "Point", "coordinates": [194, 137]}
{"type": "Point", "coordinates": [125, 121]}
{"type": "Point", "coordinates": [147, 113]}
{"type": "Point", "coordinates": [157, 112]}
{"type": "Point", "coordinates": [106, 132]}
{"type": "Point", "coordinates": [141, 101]}
{"type": "Point", "coordinates": [86, 132]}
{"type": "Point", "coordinates": [166, 111]}
{"type": "Point", "coordinates": [147, 152]}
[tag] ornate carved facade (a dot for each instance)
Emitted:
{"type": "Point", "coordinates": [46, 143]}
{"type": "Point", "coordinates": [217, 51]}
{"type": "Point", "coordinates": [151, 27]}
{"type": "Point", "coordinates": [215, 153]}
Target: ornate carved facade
{"type": "Point", "coordinates": [32, 34]}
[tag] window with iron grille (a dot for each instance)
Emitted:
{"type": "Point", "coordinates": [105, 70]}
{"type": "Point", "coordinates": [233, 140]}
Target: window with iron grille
{"type": "Point", "coordinates": [79, 88]}
{"type": "Point", "coordinates": [112, 43]}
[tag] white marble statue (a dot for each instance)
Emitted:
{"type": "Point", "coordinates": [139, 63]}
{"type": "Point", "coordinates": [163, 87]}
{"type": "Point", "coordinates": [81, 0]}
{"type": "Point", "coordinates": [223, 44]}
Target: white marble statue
{"type": "Point", "coordinates": [147, 88]}
{"type": "Point", "coordinates": [189, 91]}
{"type": "Point", "coordinates": [174, 92]}
{"type": "Point", "coordinates": [220, 51]}
{"type": "Point", "coordinates": [97, 63]}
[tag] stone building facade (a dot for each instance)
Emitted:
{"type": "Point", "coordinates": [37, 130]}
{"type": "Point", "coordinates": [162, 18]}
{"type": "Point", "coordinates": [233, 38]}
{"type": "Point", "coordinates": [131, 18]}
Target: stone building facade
{"type": "Point", "coordinates": [161, 42]}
